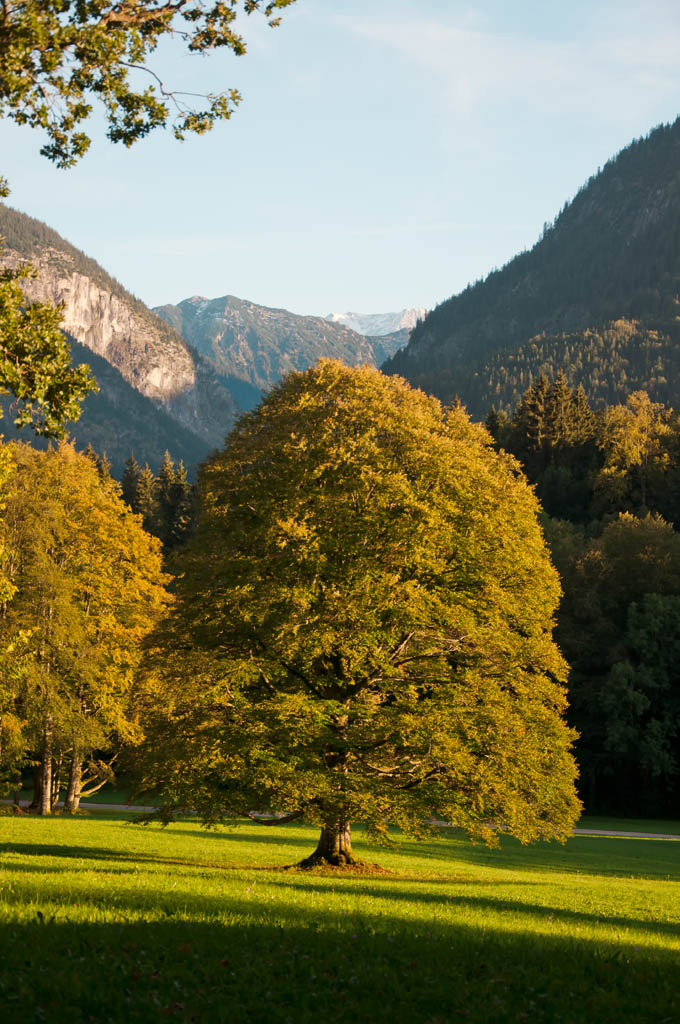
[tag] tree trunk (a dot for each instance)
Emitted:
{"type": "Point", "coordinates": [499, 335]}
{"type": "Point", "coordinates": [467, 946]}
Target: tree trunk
{"type": "Point", "coordinates": [46, 771]}
{"type": "Point", "coordinates": [335, 847]}
{"type": "Point", "coordinates": [72, 801]}
{"type": "Point", "coordinates": [57, 764]}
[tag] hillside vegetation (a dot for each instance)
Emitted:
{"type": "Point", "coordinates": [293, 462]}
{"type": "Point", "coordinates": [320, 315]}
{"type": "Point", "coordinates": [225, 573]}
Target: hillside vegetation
{"type": "Point", "coordinates": [596, 297]}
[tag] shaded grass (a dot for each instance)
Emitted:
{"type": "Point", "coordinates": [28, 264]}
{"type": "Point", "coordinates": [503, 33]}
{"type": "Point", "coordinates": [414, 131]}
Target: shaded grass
{"type": "Point", "coordinates": [103, 920]}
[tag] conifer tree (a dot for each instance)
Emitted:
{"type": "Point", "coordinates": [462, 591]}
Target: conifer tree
{"type": "Point", "coordinates": [531, 418]}
{"type": "Point", "coordinates": [584, 421]}
{"type": "Point", "coordinates": [181, 508]}
{"type": "Point", "coordinates": [130, 482]}
{"type": "Point", "coordinates": [559, 413]}
{"type": "Point", "coordinates": [164, 498]}
{"type": "Point", "coordinates": [101, 462]}
{"type": "Point", "coordinates": [145, 500]}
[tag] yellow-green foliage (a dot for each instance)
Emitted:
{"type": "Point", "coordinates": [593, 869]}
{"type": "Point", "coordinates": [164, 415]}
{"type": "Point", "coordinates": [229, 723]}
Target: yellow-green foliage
{"type": "Point", "coordinates": [364, 623]}
{"type": "Point", "coordinates": [88, 586]}
{"type": "Point", "coordinates": [35, 359]}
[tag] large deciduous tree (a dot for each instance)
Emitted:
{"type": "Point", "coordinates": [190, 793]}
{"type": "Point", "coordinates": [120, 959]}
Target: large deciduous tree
{"type": "Point", "coordinates": [363, 629]}
{"type": "Point", "coordinates": [88, 587]}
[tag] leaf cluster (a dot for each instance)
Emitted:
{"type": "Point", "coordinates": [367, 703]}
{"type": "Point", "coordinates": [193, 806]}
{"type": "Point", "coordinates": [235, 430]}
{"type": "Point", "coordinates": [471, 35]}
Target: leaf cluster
{"type": "Point", "coordinates": [35, 360]}
{"type": "Point", "coordinates": [57, 56]}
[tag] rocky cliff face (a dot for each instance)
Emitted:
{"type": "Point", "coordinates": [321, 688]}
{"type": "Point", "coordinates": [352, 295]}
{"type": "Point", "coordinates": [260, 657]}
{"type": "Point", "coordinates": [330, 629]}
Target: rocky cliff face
{"type": "Point", "coordinates": [255, 346]}
{"type": "Point", "coordinates": [151, 357]}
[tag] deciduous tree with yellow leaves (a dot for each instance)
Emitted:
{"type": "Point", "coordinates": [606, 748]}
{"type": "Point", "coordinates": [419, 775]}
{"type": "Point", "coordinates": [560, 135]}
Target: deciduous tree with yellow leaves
{"type": "Point", "coordinates": [88, 587]}
{"type": "Point", "coordinates": [363, 627]}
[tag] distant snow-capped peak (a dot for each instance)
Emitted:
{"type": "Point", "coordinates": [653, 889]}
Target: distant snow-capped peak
{"type": "Point", "coordinates": [377, 324]}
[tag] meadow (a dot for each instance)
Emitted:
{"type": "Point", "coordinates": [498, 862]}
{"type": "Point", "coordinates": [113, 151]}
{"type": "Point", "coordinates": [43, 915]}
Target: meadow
{"type": "Point", "coordinates": [103, 919]}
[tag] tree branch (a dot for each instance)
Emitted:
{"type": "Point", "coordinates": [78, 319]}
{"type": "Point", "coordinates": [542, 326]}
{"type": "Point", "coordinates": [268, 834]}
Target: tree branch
{"type": "Point", "coordinates": [281, 819]}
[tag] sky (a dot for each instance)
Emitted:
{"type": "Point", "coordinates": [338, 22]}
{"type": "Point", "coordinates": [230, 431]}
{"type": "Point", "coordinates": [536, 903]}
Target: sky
{"type": "Point", "coordinates": [385, 154]}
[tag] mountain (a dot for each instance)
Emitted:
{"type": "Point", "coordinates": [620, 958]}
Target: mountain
{"type": "Point", "coordinates": [379, 324]}
{"type": "Point", "coordinates": [119, 420]}
{"type": "Point", "coordinates": [161, 383]}
{"type": "Point", "coordinates": [596, 297]}
{"type": "Point", "coordinates": [253, 346]}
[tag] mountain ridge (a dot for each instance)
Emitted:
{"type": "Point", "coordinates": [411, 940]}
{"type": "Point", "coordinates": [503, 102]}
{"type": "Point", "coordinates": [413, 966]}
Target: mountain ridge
{"type": "Point", "coordinates": [376, 325]}
{"type": "Point", "coordinates": [253, 346]}
{"type": "Point", "coordinates": [611, 254]}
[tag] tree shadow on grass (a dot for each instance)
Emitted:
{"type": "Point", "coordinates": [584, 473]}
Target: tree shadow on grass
{"type": "Point", "coordinates": [95, 853]}
{"type": "Point", "coordinates": [583, 855]}
{"type": "Point", "coordinates": [385, 890]}
{"type": "Point", "coordinates": [308, 966]}
{"type": "Point", "coordinates": [277, 893]}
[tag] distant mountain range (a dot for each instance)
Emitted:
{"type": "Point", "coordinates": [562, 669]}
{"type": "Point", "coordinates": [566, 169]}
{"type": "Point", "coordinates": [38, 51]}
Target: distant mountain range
{"type": "Point", "coordinates": [251, 347]}
{"type": "Point", "coordinates": [177, 377]}
{"type": "Point", "coordinates": [598, 297]}
{"type": "Point", "coordinates": [379, 324]}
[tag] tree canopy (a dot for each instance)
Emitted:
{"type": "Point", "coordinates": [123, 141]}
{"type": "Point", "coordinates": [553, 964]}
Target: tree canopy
{"type": "Point", "coordinates": [57, 56]}
{"type": "Point", "coordinates": [363, 626]}
{"type": "Point", "coordinates": [87, 586]}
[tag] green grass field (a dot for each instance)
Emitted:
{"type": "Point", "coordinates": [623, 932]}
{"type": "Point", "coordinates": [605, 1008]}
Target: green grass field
{"type": "Point", "coordinates": [102, 920]}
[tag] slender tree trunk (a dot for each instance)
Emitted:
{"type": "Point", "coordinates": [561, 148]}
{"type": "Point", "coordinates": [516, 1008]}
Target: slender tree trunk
{"type": "Point", "coordinates": [46, 770]}
{"type": "Point", "coordinates": [72, 801]}
{"type": "Point", "coordinates": [335, 847]}
{"type": "Point", "coordinates": [57, 764]}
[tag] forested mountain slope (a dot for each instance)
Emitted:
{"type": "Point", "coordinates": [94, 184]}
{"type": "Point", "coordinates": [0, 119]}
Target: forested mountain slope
{"type": "Point", "coordinates": [155, 361]}
{"type": "Point", "coordinates": [612, 254]}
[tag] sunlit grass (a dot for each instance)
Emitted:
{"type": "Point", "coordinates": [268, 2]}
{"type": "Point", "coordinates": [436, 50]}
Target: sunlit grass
{"type": "Point", "coordinates": [103, 920]}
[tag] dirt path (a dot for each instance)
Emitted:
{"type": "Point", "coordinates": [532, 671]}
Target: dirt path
{"type": "Point", "coordinates": [624, 835]}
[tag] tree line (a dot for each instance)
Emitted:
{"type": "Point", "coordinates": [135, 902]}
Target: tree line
{"type": "Point", "coordinates": [359, 627]}
{"type": "Point", "coordinates": [609, 484]}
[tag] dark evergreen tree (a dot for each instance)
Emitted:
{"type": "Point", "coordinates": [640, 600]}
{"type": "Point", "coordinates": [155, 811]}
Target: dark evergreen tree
{"type": "Point", "coordinates": [164, 498]}
{"type": "Point", "coordinates": [130, 482]}
{"type": "Point", "coordinates": [146, 500]}
{"type": "Point", "coordinates": [559, 414]}
{"type": "Point", "coordinates": [181, 509]}
{"type": "Point", "coordinates": [100, 461]}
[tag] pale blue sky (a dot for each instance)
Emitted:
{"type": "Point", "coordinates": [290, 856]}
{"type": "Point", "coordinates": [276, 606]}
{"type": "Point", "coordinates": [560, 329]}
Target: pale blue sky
{"type": "Point", "coordinates": [386, 152]}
